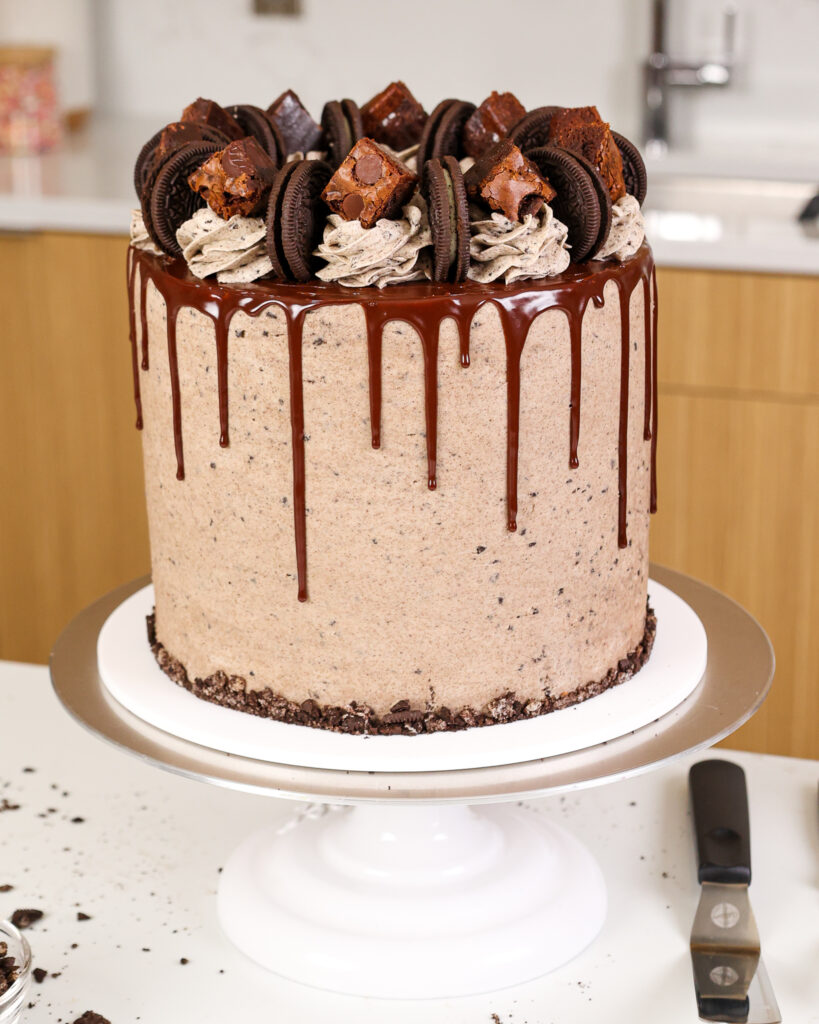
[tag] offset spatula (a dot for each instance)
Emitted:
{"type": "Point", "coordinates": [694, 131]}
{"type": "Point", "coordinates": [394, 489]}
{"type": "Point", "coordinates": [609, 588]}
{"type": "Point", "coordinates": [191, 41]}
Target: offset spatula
{"type": "Point", "coordinates": [729, 976]}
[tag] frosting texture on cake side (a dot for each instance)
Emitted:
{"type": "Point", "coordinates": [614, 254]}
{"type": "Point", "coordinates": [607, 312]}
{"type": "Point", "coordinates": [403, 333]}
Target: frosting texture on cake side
{"type": "Point", "coordinates": [464, 515]}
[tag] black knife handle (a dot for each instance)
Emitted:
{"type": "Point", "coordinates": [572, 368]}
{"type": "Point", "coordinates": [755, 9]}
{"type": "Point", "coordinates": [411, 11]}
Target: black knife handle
{"type": "Point", "coordinates": [721, 823]}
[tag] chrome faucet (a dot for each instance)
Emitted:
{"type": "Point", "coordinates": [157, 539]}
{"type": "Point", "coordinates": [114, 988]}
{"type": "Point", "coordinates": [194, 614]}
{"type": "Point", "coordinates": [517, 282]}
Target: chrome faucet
{"type": "Point", "coordinates": [662, 72]}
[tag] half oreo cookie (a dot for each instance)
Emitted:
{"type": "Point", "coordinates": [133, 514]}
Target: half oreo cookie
{"type": "Point", "coordinates": [443, 130]}
{"type": "Point", "coordinates": [296, 217]}
{"type": "Point", "coordinates": [576, 203]}
{"type": "Point", "coordinates": [532, 131]}
{"type": "Point", "coordinates": [303, 216]}
{"type": "Point", "coordinates": [187, 131]}
{"type": "Point", "coordinates": [343, 127]}
{"type": "Point", "coordinates": [634, 170]}
{"type": "Point", "coordinates": [443, 188]}
{"type": "Point", "coordinates": [254, 121]}
{"type": "Point", "coordinates": [603, 200]}
{"type": "Point", "coordinates": [168, 200]}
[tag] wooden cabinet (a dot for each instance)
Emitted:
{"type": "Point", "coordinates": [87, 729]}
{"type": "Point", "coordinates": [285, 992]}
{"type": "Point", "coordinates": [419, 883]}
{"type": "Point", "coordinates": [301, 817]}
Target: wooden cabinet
{"type": "Point", "coordinates": [72, 517]}
{"type": "Point", "coordinates": [738, 456]}
{"type": "Point", "coordinates": [738, 469]}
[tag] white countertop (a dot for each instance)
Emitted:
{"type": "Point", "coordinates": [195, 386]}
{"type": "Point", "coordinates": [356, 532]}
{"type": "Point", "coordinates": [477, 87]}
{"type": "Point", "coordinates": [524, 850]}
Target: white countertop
{"type": "Point", "coordinates": [144, 862]}
{"type": "Point", "coordinates": [716, 210]}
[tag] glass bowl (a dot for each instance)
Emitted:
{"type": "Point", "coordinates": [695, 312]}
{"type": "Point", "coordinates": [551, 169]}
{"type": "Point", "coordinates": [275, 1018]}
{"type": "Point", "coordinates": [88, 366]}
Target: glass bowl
{"type": "Point", "coordinates": [13, 999]}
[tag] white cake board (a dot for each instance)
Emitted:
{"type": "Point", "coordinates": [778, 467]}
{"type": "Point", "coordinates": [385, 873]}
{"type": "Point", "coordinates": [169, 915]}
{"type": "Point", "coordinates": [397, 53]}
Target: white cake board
{"type": "Point", "coordinates": [433, 885]}
{"type": "Point", "coordinates": [129, 671]}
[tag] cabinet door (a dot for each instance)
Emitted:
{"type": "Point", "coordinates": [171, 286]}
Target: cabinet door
{"type": "Point", "coordinates": [72, 518]}
{"type": "Point", "coordinates": [739, 470]}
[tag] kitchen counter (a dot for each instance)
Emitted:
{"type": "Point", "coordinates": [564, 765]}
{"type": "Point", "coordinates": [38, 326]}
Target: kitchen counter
{"type": "Point", "coordinates": [139, 850]}
{"type": "Point", "coordinates": [700, 211]}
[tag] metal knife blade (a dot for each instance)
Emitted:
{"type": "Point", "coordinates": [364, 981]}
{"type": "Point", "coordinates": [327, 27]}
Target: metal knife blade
{"type": "Point", "coordinates": [730, 979]}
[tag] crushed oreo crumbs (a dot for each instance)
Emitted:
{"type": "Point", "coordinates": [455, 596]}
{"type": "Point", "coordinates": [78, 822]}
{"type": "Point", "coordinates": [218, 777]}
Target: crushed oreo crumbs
{"type": "Point", "coordinates": [25, 918]}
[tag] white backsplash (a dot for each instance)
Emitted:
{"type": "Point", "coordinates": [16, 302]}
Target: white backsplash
{"type": "Point", "coordinates": [155, 56]}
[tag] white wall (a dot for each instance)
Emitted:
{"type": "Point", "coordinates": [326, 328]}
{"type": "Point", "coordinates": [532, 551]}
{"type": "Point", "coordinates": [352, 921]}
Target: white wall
{"type": "Point", "coordinates": [155, 56]}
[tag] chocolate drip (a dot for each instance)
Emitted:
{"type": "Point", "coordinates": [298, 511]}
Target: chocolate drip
{"type": "Point", "coordinates": [464, 327]}
{"type": "Point", "coordinates": [622, 443]}
{"type": "Point", "coordinates": [176, 400]}
{"type": "Point", "coordinates": [424, 306]}
{"type": "Point", "coordinates": [575, 342]}
{"type": "Point", "coordinates": [131, 272]}
{"type": "Point", "coordinates": [654, 403]}
{"type": "Point", "coordinates": [295, 324]}
{"type": "Point", "coordinates": [143, 314]}
{"type": "Point", "coordinates": [374, 331]}
{"type": "Point", "coordinates": [648, 360]}
{"type": "Point", "coordinates": [222, 327]}
{"type": "Point", "coordinates": [430, 344]}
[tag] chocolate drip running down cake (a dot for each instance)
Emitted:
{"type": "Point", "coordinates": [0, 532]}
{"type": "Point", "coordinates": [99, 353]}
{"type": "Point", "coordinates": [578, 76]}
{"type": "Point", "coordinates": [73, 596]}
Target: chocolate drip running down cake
{"type": "Point", "coordinates": [399, 421]}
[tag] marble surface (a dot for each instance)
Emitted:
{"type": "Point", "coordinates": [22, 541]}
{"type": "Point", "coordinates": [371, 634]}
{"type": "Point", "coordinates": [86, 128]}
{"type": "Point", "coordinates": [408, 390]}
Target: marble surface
{"type": "Point", "coordinates": [711, 210]}
{"type": "Point", "coordinates": [139, 851]}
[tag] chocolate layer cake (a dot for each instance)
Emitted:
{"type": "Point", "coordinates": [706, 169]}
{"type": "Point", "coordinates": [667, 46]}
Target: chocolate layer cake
{"type": "Point", "coordinates": [393, 509]}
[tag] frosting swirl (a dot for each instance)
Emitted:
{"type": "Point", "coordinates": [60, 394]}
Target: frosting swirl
{"type": "Point", "coordinates": [390, 252]}
{"type": "Point", "coordinates": [626, 233]}
{"type": "Point", "coordinates": [518, 250]}
{"type": "Point", "coordinates": [140, 239]}
{"type": "Point", "coordinates": [232, 249]}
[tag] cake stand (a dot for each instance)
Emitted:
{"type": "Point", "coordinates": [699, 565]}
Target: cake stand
{"type": "Point", "coordinates": [424, 884]}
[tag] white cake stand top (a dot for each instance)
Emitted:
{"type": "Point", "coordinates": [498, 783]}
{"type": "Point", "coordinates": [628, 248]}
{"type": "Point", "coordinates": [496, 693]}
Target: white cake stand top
{"type": "Point", "coordinates": [735, 681]}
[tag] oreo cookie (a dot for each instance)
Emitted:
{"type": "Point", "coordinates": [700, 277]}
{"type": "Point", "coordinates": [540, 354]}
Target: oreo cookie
{"type": "Point", "coordinates": [188, 131]}
{"type": "Point", "coordinates": [576, 203]}
{"type": "Point", "coordinates": [443, 188]}
{"type": "Point", "coordinates": [303, 216]}
{"type": "Point", "coordinates": [168, 201]}
{"type": "Point", "coordinates": [343, 127]}
{"type": "Point", "coordinates": [634, 170]}
{"type": "Point", "coordinates": [254, 121]}
{"type": "Point", "coordinates": [532, 131]}
{"type": "Point", "coordinates": [603, 199]}
{"type": "Point", "coordinates": [296, 217]}
{"type": "Point", "coordinates": [442, 134]}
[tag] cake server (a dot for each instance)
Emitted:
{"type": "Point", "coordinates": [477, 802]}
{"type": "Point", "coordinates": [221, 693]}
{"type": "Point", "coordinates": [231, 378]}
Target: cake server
{"type": "Point", "coordinates": [730, 979]}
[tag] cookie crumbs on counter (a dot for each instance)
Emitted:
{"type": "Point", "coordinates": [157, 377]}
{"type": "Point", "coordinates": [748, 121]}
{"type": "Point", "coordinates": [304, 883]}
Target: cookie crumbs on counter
{"type": "Point", "coordinates": [90, 1017]}
{"type": "Point", "coordinates": [83, 917]}
{"type": "Point", "coordinates": [39, 974]}
{"type": "Point", "coordinates": [184, 960]}
{"type": "Point", "coordinates": [9, 971]}
{"type": "Point", "coordinates": [77, 821]}
{"type": "Point", "coordinates": [6, 805]}
{"type": "Point", "coordinates": [25, 918]}
{"type": "Point", "coordinates": [6, 888]}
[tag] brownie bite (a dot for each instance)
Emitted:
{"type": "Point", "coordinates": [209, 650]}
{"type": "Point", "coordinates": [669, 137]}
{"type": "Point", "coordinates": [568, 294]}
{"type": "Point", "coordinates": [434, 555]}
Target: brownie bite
{"type": "Point", "coordinates": [236, 179]}
{"type": "Point", "coordinates": [505, 180]}
{"type": "Point", "coordinates": [581, 130]}
{"type": "Point", "coordinates": [369, 184]}
{"type": "Point", "coordinates": [394, 117]}
{"type": "Point", "coordinates": [491, 122]}
{"type": "Point", "coordinates": [299, 131]}
{"type": "Point", "coordinates": [204, 111]}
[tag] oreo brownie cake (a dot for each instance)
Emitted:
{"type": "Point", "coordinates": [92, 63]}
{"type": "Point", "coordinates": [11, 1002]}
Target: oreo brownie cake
{"type": "Point", "coordinates": [396, 376]}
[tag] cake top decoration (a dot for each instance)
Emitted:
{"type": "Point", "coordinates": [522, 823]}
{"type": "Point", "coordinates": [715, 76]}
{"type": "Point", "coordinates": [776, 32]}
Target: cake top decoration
{"type": "Point", "coordinates": [491, 192]}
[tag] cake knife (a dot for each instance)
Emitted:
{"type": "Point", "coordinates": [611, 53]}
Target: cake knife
{"type": "Point", "coordinates": [730, 979]}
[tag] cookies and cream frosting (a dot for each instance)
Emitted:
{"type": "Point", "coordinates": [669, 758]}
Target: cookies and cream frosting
{"type": "Point", "coordinates": [626, 233]}
{"type": "Point", "coordinates": [234, 250]}
{"type": "Point", "coordinates": [501, 249]}
{"type": "Point", "coordinates": [140, 239]}
{"type": "Point", "coordinates": [390, 252]}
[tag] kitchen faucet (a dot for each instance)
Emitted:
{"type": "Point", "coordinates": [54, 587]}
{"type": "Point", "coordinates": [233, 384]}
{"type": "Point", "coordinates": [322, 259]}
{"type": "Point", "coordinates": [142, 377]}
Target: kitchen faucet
{"type": "Point", "coordinates": [662, 72]}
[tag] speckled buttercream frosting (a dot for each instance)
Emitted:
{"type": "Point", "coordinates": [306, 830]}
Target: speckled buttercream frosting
{"type": "Point", "coordinates": [399, 423]}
